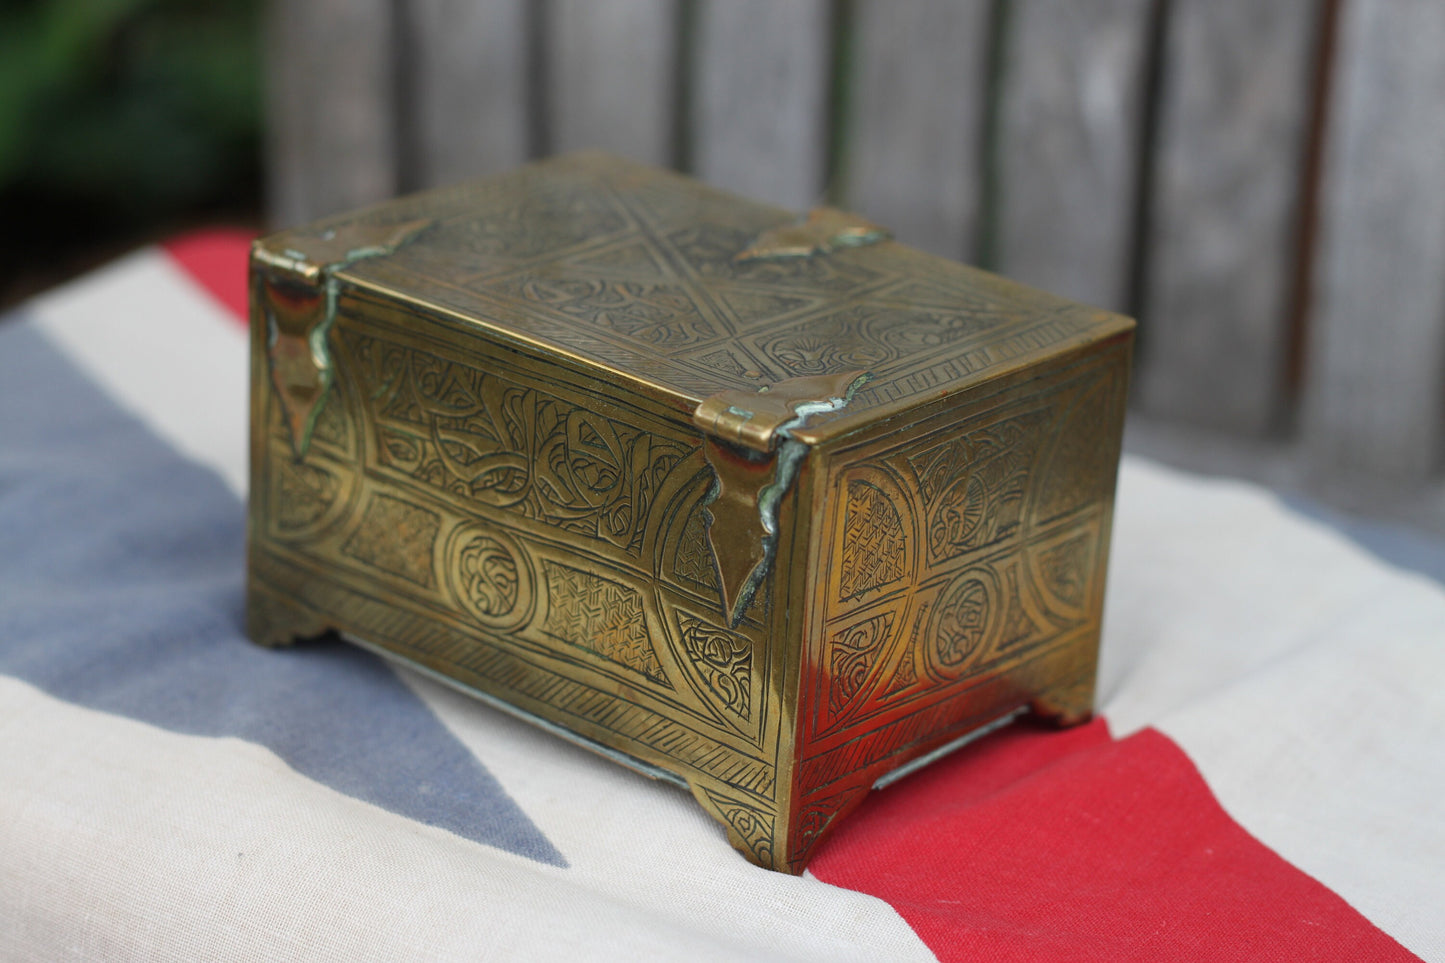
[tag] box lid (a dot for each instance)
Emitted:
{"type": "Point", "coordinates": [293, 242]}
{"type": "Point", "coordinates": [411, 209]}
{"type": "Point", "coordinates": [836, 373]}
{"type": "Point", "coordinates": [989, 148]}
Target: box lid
{"type": "Point", "coordinates": [724, 308]}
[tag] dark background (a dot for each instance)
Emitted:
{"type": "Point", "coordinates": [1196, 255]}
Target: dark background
{"type": "Point", "coordinates": [122, 122]}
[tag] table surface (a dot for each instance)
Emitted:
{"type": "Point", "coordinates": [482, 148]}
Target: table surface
{"type": "Point", "coordinates": [1264, 779]}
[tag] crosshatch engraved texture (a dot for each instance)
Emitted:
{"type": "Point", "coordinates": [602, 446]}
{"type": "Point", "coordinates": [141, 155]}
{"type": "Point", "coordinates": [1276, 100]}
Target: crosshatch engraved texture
{"type": "Point", "coordinates": [505, 483]}
{"type": "Point", "coordinates": [875, 546]}
{"type": "Point", "coordinates": [692, 562]}
{"type": "Point", "coordinates": [396, 537]}
{"type": "Point", "coordinates": [602, 616]}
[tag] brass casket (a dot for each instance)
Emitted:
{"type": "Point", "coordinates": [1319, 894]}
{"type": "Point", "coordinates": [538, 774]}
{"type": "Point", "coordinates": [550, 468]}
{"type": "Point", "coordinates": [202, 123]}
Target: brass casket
{"type": "Point", "coordinates": [768, 507]}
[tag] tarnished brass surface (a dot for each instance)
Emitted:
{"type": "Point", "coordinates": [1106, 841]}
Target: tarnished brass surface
{"type": "Point", "coordinates": [770, 526]}
{"type": "Point", "coordinates": [823, 231]}
{"type": "Point", "coordinates": [740, 432]}
{"type": "Point", "coordinates": [299, 307]}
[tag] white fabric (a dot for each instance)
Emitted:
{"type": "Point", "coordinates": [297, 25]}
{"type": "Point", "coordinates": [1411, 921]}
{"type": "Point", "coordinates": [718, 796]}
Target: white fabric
{"type": "Point", "coordinates": [139, 327]}
{"type": "Point", "coordinates": [1305, 679]}
{"type": "Point", "coordinates": [156, 846]}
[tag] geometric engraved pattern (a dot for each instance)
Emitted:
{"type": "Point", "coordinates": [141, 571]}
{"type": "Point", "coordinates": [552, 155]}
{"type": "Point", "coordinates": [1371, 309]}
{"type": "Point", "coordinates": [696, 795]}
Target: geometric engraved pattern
{"type": "Point", "coordinates": [1075, 454]}
{"type": "Point", "coordinates": [639, 272]}
{"type": "Point", "coordinates": [724, 661]}
{"type": "Point", "coordinates": [658, 314]}
{"type": "Point", "coordinates": [973, 485]}
{"type": "Point", "coordinates": [853, 655]}
{"type": "Point", "coordinates": [475, 434]}
{"type": "Point", "coordinates": [305, 492]}
{"type": "Point", "coordinates": [332, 429]}
{"type": "Point", "coordinates": [711, 250]}
{"type": "Point", "coordinates": [693, 560]}
{"type": "Point", "coordinates": [874, 543]}
{"type": "Point", "coordinates": [1018, 627]}
{"type": "Point", "coordinates": [905, 676]}
{"type": "Point", "coordinates": [870, 336]}
{"type": "Point", "coordinates": [524, 224]}
{"type": "Point", "coordinates": [396, 537]}
{"type": "Point", "coordinates": [602, 616]}
{"type": "Point", "coordinates": [490, 576]}
{"type": "Point", "coordinates": [725, 360]}
{"type": "Point", "coordinates": [1063, 572]}
{"type": "Point", "coordinates": [990, 585]}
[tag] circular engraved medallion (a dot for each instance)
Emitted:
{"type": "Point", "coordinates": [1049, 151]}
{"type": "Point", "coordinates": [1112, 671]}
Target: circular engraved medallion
{"type": "Point", "coordinates": [964, 621]}
{"type": "Point", "coordinates": [490, 576]}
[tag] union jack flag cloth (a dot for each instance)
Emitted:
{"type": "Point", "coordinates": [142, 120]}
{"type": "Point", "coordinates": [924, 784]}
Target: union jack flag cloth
{"type": "Point", "coordinates": [1266, 779]}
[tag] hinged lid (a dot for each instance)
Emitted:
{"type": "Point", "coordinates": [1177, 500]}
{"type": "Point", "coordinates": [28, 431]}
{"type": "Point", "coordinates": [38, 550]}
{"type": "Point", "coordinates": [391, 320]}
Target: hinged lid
{"type": "Point", "coordinates": [707, 300]}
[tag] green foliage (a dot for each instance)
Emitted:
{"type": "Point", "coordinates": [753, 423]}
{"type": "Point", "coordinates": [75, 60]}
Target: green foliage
{"type": "Point", "coordinates": [132, 109]}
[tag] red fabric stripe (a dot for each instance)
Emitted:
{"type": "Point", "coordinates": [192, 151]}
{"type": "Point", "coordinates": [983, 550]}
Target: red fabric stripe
{"type": "Point", "coordinates": [1038, 845]}
{"type": "Point", "coordinates": [216, 259]}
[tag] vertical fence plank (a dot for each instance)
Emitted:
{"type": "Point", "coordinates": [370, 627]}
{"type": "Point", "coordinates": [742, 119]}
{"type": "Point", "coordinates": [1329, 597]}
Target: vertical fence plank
{"type": "Point", "coordinates": [1071, 120]}
{"type": "Point", "coordinates": [1223, 239]}
{"type": "Point", "coordinates": [466, 90]}
{"type": "Point", "coordinates": [1375, 395]}
{"type": "Point", "coordinates": [913, 137]}
{"type": "Point", "coordinates": [760, 117]}
{"type": "Point", "coordinates": [330, 107]}
{"type": "Point", "coordinates": [613, 76]}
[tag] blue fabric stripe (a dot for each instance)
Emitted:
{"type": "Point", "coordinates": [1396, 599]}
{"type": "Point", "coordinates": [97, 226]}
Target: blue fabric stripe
{"type": "Point", "coordinates": [1412, 549]}
{"type": "Point", "coordinates": [121, 589]}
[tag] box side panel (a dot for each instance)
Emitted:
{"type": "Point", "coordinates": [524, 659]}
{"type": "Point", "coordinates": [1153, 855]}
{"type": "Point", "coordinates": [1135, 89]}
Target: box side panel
{"type": "Point", "coordinates": [519, 526]}
{"type": "Point", "coordinates": [960, 573]}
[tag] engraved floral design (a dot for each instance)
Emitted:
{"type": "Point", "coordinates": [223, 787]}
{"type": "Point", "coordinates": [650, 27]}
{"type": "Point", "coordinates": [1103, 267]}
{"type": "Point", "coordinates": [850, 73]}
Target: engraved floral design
{"type": "Point", "coordinates": [974, 485]}
{"type": "Point", "coordinates": [871, 337]}
{"type": "Point", "coordinates": [484, 437]}
{"type": "Point", "coordinates": [963, 621]}
{"type": "Point", "coordinates": [724, 661]}
{"type": "Point", "coordinates": [489, 576]}
{"type": "Point", "coordinates": [853, 656]}
{"type": "Point", "coordinates": [657, 313]}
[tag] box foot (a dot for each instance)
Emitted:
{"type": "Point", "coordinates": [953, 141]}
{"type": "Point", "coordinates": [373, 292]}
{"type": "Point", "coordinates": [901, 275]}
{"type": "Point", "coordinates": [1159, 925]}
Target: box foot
{"type": "Point", "coordinates": [751, 823]}
{"type": "Point", "coordinates": [273, 621]}
{"type": "Point", "coordinates": [1067, 705]}
{"type": "Point", "coordinates": [756, 830]}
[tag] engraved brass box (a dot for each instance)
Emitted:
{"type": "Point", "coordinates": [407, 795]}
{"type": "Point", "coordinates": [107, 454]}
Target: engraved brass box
{"type": "Point", "coordinates": [767, 507]}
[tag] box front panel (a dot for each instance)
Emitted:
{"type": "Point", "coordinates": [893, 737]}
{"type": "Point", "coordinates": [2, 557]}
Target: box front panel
{"type": "Point", "coordinates": [959, 576]}
{"type": "Point", "coordinates": [534, 534]}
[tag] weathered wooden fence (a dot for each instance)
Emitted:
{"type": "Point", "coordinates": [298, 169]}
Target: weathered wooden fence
{"type": "Point", "coordinates": [1261, 182]}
